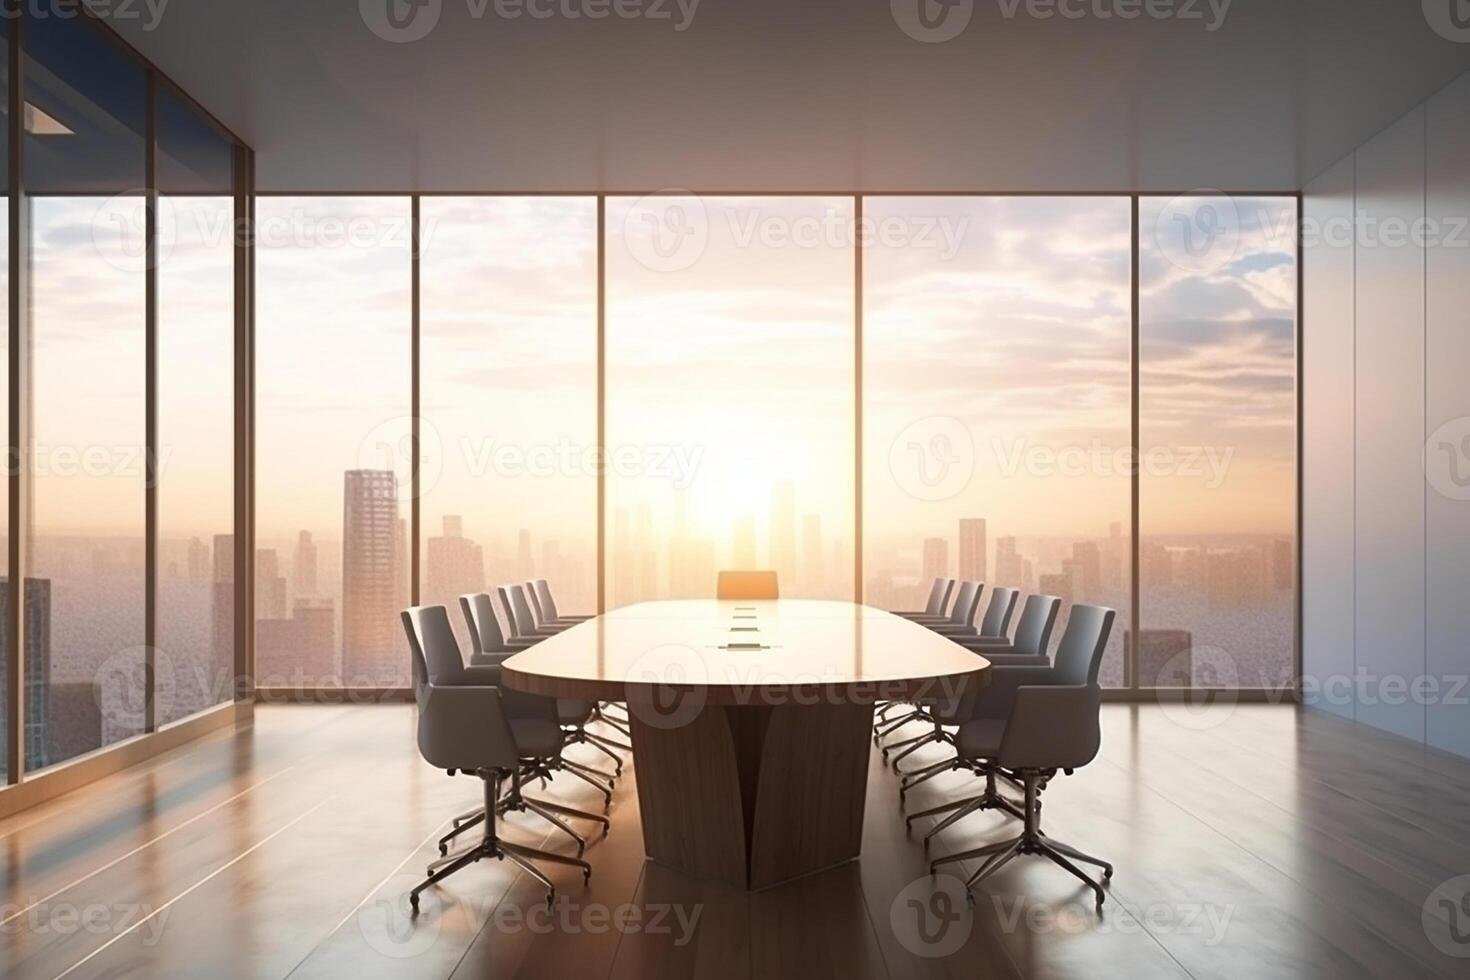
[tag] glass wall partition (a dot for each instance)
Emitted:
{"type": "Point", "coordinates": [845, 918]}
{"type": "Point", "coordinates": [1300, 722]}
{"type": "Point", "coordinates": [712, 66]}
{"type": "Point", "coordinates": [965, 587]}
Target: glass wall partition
{"type": "Point", "coordinates": [85, 164]}
{"type": "Point", "coordinates": [333, 454]}
{"type": "Point", "coordinates": [730, 352]}
{"type": "Point", "coordinates": [996, 380]}
{"type": "Point", "coordinates": [195, 642]}
{"type": "Point", "coordinates": [1217, 397]}
{"type": "Point", "coordinates": [508, 389]}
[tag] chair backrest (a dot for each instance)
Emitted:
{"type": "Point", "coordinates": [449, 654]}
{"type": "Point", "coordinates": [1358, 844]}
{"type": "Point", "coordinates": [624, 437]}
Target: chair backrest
{"type": "Point", "coordinates": [517, 612]}
{"type": "Point", "coordinates": [938, 595]}
{"type": "Point", "coordinates": [479, 614]}
{"type": "Point", "coordinates": [542, 590]}
{"type": "Point", "coordinates": [1080, 651]}
{"type": "Point", "coordinates": [439, 650]}
{"type": "Point", "coordinates": [450, 737]}
{"type": "Point", "coordinates": [944, 597]}
{"type": "Point", "coordinates": [534, 601]}
{"type": "Point", "coordinates": [1033, 632]}
{"type": "Point", "coordinates": [966, 602]}
{"type": "Point", "coordinates": [747, 585]}
{"type": "Point", "coordinates": [997, 621]}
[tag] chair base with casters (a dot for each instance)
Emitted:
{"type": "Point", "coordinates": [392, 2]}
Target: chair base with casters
{"type": "Point", "coordinates": [1032, 840]}
{"type": "Point", "coordinates": [991, 799]}
{"type": "Point", "coordinates": [515, 800]}
{"type": "Point", "coordinates": [491, 847]}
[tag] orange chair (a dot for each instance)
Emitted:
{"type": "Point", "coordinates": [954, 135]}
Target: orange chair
{"type": "Point", "coordinates": [747, 585]}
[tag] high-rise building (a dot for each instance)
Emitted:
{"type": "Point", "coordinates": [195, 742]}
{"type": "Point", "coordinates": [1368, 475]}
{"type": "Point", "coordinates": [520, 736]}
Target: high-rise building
{"type": "Point", "coordinates": [1088, 557]}
{"type": "Point", "coordinates": [198, 561]}
{"type": "Point", "coordinates": [972, 549]}
{"type": "Point", "coordinates": [781, 543]}
{"type": "Point", "coordinates": [743, 551]}
{"type": "Point", "coordinates": [304, 569]}
{"type": "Point", "coordinates": [525, 564]}
{"type": "Point", "coordinates": [813, 568]}
{"type": "Point", "coordinates": [453, 563]}
{"type": "Point", "coordinates": [1010, 569]}
{"type": "Point", "coordinates": [370, 589]}
{"type": "Point", "coordinates": [222, 602]}
{"type": "Point", "coordinates": [39, 723]}
{"type": "Point", "coordinates": [936, 559]}
{"type": "Point", "coordinates": [270, 585]}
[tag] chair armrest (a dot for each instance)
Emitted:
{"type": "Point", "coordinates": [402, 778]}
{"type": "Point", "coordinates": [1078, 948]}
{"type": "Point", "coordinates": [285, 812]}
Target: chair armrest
{"type": "Point", "coordinates": [481, 675]}
{"type": "Point", "coordinates": [995, 701]}
{"type": "Point", "coordinates": [465, 727]}
{"type": "Point", "coordinates": [952, 629]}
{"type": "Point", "coordinates": [1003, 659]}
{"type": "Point", "coordinates": [1052, 727]}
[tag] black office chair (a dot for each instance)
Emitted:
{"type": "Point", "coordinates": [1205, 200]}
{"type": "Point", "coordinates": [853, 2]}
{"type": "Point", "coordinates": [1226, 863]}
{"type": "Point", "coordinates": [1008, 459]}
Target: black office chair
{"type": "Point", "coordinates": [466, 726]}
{"type": "Point", "coordinates": [996, 623]}
{"type": "Point", "coordinates": [937, 603]}
{"type": "Point", "coordinates": [1029, 649]}
{"type": "Point", "coordinates": [960, 615]}
{"type": "Point", "coordinates": [573, 714]}
{"type": "Point", "coordinates": [1028, 725]}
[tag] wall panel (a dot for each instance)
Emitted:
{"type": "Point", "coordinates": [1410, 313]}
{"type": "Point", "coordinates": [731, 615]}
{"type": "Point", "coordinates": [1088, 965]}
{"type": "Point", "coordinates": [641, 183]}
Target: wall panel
{"type": "Point", "coordinates": [1327, 452]}
{"type": "Point", "coordinates": [1390, 427]}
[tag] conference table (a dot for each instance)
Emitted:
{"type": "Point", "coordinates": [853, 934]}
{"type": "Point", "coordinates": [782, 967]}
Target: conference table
{"type": "Point", "coordinates": [750, 720]}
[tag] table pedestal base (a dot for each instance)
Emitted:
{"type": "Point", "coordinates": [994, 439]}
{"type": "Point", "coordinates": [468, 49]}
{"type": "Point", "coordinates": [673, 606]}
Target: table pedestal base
{"type": "Point", "coordinates": [753, 795]}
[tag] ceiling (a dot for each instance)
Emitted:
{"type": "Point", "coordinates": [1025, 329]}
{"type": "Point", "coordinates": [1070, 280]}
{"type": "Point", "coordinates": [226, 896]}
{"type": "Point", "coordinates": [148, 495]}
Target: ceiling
{"type": "Point", "coordinates": [813, 95]}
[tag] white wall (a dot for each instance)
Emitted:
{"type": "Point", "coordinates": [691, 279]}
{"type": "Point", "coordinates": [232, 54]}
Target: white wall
{"type": "Point", "coordinates": [1386, 342]}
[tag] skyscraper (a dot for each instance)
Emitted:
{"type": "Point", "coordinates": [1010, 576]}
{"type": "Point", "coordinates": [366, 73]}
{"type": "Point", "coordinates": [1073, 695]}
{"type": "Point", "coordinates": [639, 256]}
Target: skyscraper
{"type": "Point", "coordinates": [782, 540]}
{"type": "Point", "coordinates": [455, 564]}
{"type": "Point", "coordinates": [304, 566]}
{"type": "Point", "coordinates": [222, 602]}
{"type": "Point", "coordinates": [370, 630]}
{"type": "Point", "coordinates": [813, 570]}
{"type": "Point", "coordinates": [1010, 568]}
{"type": "Point", "coordinates": [37, 667]}
{"type": "Point", "coordinates": [936, 558]}
{"type": "Point", "coordinates": [972, 549]}
{"type": "Point", "coordinates": [198, 561]}
{"type": "Point", "coordinates": [743, 551]}
{"type": "Point", "coordinates": [270, 585]}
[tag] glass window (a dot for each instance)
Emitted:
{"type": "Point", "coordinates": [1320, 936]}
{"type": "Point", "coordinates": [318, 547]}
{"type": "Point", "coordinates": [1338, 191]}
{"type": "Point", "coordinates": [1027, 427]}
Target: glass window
{"type": "Point", "coordinates": [996, 400]}
{"type": "Point", "coordinates": [196, 329]}
{"type": "Point", "coordinates": [1217, 362]}
{"type": "Point", "coordinates": [85, 167]}
{"type": "Point", "coordinates": [333, 478]}
{"type": "Point", "coordinates": [5, 414]}
{"type": "Point", "coordinates": [509, 398]}
{"type": "Point", "coordinates": [730, 386]}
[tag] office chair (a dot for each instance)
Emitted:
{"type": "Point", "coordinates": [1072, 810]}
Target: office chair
{"type": "Point", "coordinates": [519, 618]}
{"type": "Point", "coordinates": [996, 623]}
{"type": "Point", "coordinates": [961, 614]}
{"type": "Point", "coordinates": [572, 714]}
{"type": "Point", "coordinates": [524, 627]}
{"type": "Point", "coordinates": [1028, 725]}
{"type": "Point", "coordinates": [467, 727]}
{"type": "Point", "coordinates": [939, 594]}
{"type": "Point", "coordinates": [1029, 649]}
{"type": "Point", "coordinates": [488, 644]}
{"type": "Point", "coordinates": [747, 585]}
{"type": "Point", "coordinates": [544, 606]}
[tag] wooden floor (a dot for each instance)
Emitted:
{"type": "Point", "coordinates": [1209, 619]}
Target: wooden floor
{"type": "Point", "coordinates": [1278, 843]}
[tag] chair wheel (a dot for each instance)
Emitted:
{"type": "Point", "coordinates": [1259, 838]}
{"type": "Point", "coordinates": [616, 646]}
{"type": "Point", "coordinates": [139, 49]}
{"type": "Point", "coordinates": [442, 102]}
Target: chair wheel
{"type": "Point", "coordinates": [587, 877]}
{"type": "Point", "coordinates": [413, 902]}
{"type": "Point", "coordinates": [443, 850]}
{"type": "Point", "coordinates": [1107, 874]}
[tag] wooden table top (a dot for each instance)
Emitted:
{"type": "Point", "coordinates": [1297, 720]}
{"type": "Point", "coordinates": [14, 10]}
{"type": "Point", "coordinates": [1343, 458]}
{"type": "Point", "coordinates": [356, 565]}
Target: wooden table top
{"type": "Point", "coordinates": [746, 652]}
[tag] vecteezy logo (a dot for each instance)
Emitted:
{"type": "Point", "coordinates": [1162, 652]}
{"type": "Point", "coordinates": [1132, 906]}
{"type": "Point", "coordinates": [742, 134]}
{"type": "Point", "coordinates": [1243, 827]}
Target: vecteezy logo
{"type": "Point", "coordinates": [1447, 459]}
{"type": "Point", "coordinates": [400, 21]}
{"type": "Point", "coordinates": [389, 446]}
{"type": "Point", "coordinates": [1199, 231]}
{"type": "Point", "coordinates": [1446, 917]}
{"type": "Point", "coordinates": [933, 459]}
{"type": "Point", "coordinates": [1208, 681]}
{"type": "Point", "coordinates": [931, 917]}
{"type": "Point", "coordinates": [1449, 18]}
{"type": "Point", "coordinates": [667, 231]}
{"type": "Point", "coordinates": [120, 231]}
{"type": "Point", "coordinates": [390, 925]}
{"type": "Point", "coordinates": [932, 21]}
{"type": "Point", "coordinates": [666, 686]}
